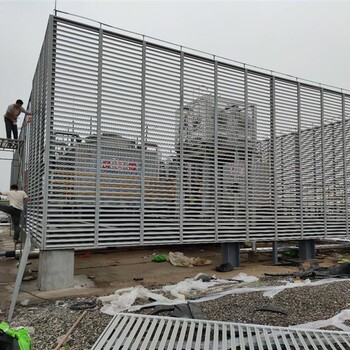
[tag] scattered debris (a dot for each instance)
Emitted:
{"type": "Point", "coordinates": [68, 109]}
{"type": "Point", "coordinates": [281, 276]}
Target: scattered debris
{"type": "Point", "coordinates": [84, 305]}
{"type": "Point", "coordinates": [138, 278]}
{"type": "Point", "coordinates": [189, 310]}
{"type": "Point", "coordinates": [315, 271]}
{"type": "Point", "coordinates": [160, 258]}
{"type": "Point", "coordinates": [287, 262]}
{"type": "Point", "coordinates": [162, 308]}
{"type": "Point", "coordinates": [271, 308]}
{"type": "Point", "coordinates": [28, 278]}
{"type": "Point", "coordinates": [343, 260]}
{"type": "Point", "coordinates": [337, 321]}
{"type": "Point", "coordinates": [84, 255]}
{"type": "Point", "coordinates": [334, 257]}
{"type": "Point", "coordinates": [203, 277]}
{"type": "Point", "coordinates": [201, 261]}
{"type": "Point", "coordinates": [225, 267]}
{"type": "Point", "coordinates": [179, 259]}
{"type": "Point", "coordinates": [293, 253]}
{"type": "Point", "coordinates": [65, 337]}
{"type": "Point", "coordinates": [243, 277]}
{"type": "Point", "coordinates": [340, 270]}
{"type": "Point", "coordinates": [25, 302]}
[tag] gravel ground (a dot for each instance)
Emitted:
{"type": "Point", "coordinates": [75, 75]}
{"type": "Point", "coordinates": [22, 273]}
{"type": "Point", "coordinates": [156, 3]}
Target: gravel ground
{"type": "Point", "coordinates": [48, 320]}
{"type": "Point", "coordinates": [299, 305]}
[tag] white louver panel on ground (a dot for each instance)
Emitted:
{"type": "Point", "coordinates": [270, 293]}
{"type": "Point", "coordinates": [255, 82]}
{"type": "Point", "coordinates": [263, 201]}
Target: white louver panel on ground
{"type": "Point", "coordinates": [136, 332]}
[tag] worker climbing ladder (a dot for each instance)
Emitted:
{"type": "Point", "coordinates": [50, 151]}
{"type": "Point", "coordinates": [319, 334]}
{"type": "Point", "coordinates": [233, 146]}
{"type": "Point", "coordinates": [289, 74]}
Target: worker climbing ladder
{"type": "Point", "coordinates": [17, 147]}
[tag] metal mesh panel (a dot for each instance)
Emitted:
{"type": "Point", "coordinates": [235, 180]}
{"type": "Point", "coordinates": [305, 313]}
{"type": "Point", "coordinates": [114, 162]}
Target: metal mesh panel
{"type": "Point", "coordinates": [153, 145]}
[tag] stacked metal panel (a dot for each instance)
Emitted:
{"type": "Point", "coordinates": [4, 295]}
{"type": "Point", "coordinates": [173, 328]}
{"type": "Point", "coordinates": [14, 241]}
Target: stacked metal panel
{"type": "Point", "coordinates": [139, 143]}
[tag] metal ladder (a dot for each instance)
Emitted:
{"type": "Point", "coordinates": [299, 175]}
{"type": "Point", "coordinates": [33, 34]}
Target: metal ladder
{"type": "Point", "coordinates": [17, 146]}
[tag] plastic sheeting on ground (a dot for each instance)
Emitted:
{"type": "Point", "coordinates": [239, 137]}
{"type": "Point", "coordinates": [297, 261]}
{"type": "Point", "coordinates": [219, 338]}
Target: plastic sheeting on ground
{"type": "Point", "coordinates": [336, 321]}
{"type": "Point", "coordinates": [124, 299]}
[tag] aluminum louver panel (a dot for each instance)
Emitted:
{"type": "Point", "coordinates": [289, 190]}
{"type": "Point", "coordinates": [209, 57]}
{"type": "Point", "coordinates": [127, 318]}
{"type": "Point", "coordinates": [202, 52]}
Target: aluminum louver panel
{"type": "Point", "coordinates": [40, 107]}
{"type": "Point", "coordinates": [287, 159]}
{"type": "Point", "coordinates": [161, 153]}
{"type": "Point", "coordinates": [262, 224]}
{"type": "Point", "coordinates": [72, 170]}
{"type": "Point", "coordinates": [136, 143]}
{"type": "Point", "coordinates": [233, 153]}
{"type": "Point", "coordinates": [128, 331]}
{"type": "Point", "coordinates": [198, 151]}
{"type": "Point", "coordinates": [120, 153]}
{"type": "Point", "coordinates": [334, 164]}
{"type": "Point", "coordinates": [312, 162]}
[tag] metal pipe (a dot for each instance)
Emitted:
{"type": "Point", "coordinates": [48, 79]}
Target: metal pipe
{"type": "Point", "coordinates": [16, 253]}
{"type": "Point", "coordinates": [282, 249]}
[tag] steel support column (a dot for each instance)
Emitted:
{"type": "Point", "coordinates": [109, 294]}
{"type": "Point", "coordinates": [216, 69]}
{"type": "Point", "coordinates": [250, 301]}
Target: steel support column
{"type": "Point", "coordinates": [307, 249]}
{"type": "Point", "coordinates": [230, 253]}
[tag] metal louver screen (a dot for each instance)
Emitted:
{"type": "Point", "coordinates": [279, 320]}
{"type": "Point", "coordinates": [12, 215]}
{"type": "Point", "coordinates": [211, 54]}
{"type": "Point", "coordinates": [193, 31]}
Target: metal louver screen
{"type": "Point", "coordinates": [36, 158]}
{"type": "Point", "coordinates": [130, 331]}
{"type": "Point", "coordinates": [141, 144]}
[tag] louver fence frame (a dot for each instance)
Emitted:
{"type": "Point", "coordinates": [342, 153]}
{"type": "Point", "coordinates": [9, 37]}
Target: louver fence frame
{"type": "Point", "coordinates": [134, 142]}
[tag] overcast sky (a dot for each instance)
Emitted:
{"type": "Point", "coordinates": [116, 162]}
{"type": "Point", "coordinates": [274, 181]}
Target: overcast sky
{"type": "Point", "coordinates": [306, 39]}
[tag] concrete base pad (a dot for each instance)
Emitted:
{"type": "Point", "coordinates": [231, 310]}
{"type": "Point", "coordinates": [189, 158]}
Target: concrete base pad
{"type": "Point", "coordinates": [56, 269]}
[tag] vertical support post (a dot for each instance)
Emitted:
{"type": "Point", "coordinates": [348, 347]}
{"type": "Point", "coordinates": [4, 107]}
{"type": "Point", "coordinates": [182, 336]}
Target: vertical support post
{"type": "Point", "coordinates": [273, 138]}
{"type": "Point", "coordinates": [16, 177]}
{"type": "Point", "coordinates": [216, 176]}
{"type": "Point", "coordinates": [275, 252]}
{"type": "Point", "coordinates": [246, 170]}
{"type": "Point", "coordinates": [345, 167]}
{"type": "Point", "coordinates": [25, 148]}
{"type": "Point", "coordinates": [181, 131]}
{"type": "Point", "coordinates": [301, 193]}
{"type": "Point", "coordinates": [99, 136]}
{"type": "Point", "coordinates": [230, 253]}
{"type": "Point", "coordinates": [307, 249]}
{"type": "Point", "coordinates": [323, 166]}
{"type": "Point", "coordinates": [143, 147]}
{"type": "Point", "coordinates": [49, 117]}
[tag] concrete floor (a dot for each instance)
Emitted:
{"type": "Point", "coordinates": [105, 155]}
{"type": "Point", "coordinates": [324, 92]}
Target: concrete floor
{"type": "Point", "coordinates": [102, 272]}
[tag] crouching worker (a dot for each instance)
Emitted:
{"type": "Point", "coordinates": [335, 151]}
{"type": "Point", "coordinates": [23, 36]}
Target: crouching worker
{"type": "Point", "coordinates": [17, 199]}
